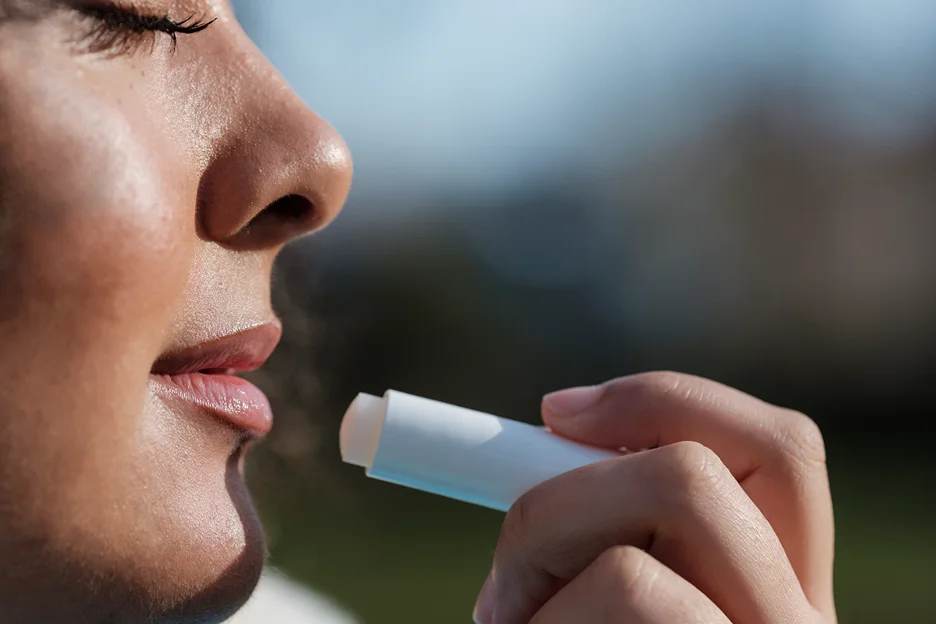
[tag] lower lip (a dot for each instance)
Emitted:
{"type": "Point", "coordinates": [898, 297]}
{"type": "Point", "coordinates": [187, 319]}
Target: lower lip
{"type": "Point", "coordinates": [233, 400]}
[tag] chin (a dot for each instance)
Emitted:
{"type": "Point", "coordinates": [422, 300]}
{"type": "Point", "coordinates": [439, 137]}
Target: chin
{"type": "Point", "coordinates": [218, 597]}
{"type": "Point", "coordinates": [200, 550]}
{"type": "Point", "coordinates": [197, 568]}
{"type": "Point", "coordinates": [190, 554]}
{"type": "Point", "coordinates": [199, 593]}
{"type": "Point", "coordinates": [219, 569]}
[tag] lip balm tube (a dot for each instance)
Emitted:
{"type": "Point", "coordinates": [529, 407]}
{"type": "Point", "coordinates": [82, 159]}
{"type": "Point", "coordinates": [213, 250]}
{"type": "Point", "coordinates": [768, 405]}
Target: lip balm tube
{"type": "Point", "coordinates": [455, 452]}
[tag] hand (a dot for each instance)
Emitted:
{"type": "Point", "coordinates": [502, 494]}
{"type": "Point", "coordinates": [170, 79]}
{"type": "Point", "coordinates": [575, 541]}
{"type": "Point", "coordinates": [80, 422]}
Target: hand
{"type": "Point", "coordinates": [728, 519]}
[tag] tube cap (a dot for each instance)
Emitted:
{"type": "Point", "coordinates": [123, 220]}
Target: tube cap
{"type": "Point", "coordinates": [360, 430]}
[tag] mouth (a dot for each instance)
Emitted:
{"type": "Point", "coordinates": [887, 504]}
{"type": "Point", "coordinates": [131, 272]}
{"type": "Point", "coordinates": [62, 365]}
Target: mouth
{"type": "Point", "coordinates": [205, 376]}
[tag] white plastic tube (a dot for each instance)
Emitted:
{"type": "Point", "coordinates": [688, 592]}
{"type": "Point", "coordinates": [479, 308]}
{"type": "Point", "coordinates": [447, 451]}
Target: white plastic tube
{"type": "Point", "coordinates": [453, 451]}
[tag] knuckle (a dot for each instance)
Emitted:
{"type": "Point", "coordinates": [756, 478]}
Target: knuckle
{"type": "Point", "coordinates": [644, 388]}
{"type": "Point", "coordinates": [518, 522]}
{"type": "Point", "coordinates": [692, 468]}
{"type": "Point", "coordinates": [800, 438]}
{"type": "Point", "coordinates": [625, 571]}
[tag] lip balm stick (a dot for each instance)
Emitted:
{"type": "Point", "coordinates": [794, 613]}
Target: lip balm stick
{"type": "Point", "coordinates": [456, 452]}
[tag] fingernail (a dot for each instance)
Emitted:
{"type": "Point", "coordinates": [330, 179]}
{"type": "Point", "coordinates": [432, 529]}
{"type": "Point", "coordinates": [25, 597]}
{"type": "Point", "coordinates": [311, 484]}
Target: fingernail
{"type": "Point", "coordinates": [484, 608]}
{"type": "Point", "coordinates": [572, 401]}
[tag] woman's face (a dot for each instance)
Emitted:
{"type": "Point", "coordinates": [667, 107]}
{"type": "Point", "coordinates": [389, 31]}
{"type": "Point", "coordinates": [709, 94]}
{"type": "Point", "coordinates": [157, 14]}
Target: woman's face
{"type": "Point", "coordinates": [146, 187]}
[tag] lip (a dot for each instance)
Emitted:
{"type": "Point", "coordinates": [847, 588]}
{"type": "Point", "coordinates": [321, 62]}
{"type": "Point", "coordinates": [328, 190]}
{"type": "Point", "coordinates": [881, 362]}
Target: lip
{"type": "Point", "coordinates": [205, 376]}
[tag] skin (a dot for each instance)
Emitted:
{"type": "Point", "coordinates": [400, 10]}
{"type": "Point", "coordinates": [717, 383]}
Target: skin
{"type": "Point", "coordinates": [126, 184]}
{"type": "Point", "coordinates": [144, 194]}
{"type": "Point", "coordinates": [727, 519]}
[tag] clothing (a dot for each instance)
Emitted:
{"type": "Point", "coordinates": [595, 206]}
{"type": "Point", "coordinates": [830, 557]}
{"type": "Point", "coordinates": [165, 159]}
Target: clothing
{"type": "Point", "coordinates": [280, 600]}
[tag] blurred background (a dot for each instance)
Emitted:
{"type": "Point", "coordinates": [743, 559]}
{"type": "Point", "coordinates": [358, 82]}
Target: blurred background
{"type": "Point", "coordinates": [553, 193]}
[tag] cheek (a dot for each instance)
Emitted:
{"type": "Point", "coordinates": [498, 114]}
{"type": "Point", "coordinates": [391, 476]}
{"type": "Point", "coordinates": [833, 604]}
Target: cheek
{"type": "Point", "coordinates": [99, 254]}
{"type": "Point", "coordinates": [97, 236]}
{"type": "Point", "coordinates": [96, 217]}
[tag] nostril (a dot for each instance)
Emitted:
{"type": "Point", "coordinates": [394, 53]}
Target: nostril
{"type": "Point", "coordinates": [289, 217]}
{"type": "Point", "coordinates": [289, 209]}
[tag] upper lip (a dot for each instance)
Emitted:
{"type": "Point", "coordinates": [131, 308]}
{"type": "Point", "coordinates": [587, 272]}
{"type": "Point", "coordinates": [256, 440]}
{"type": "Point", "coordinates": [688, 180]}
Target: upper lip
{"type": "Point", "coordinates": [239, 352]}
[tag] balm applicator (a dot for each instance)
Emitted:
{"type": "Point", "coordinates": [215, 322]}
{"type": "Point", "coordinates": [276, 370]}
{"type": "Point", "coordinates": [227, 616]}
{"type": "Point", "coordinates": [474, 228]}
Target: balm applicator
{"type": "Point", "coordinates": [453, 451]}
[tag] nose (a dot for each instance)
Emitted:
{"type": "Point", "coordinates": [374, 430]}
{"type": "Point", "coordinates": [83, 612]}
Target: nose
{"type": "Point", "coordinates": [277, 170]}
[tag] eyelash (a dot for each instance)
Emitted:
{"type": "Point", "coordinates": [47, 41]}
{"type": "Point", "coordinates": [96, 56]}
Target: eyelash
{"type": "Point", "coordinates": [122, 30]}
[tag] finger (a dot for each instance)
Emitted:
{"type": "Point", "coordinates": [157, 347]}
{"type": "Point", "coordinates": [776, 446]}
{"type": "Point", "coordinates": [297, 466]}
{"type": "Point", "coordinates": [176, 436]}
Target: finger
{"type": "Point", "coordinates": [679, 503]}
{"type": "Point", "coordinates": [484, 607]}
{"type": "Point", "coordinates": [625, 585]}
{"type": "Point", "coordinates": [777, 455]}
